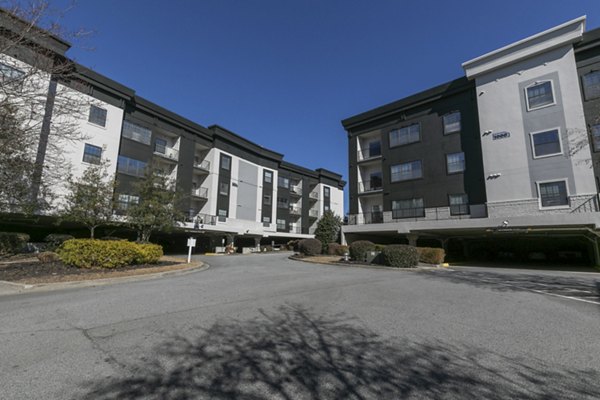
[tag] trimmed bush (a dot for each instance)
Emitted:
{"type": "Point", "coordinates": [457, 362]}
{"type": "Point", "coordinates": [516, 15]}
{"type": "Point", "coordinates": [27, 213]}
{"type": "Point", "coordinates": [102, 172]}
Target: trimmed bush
{"type": "Point", "coordinates": [148, 253]}
{"type": "Point", "coordinates": [380, 247]}
{"type": "Point", "coordinates": [400, 256]}
{"type": "Point", "coordinates": [360, 248]}
{"type": "Point", "coordinates": [48, 257]}
{"type": "Point", "coordinates": [54, 240]}
{"type": "Point", "coordinates": [293, 245]}
{"type": "Point", "coordinates": [336, 249]}
{"type": "Point", "coordinates": [12, 242]}
{"type": "Point", "coordinates": [89, 253]}
{"type": "Point", "coordinates": [310, 247]}
{"type": "Point", "coordinates": [431, 255]}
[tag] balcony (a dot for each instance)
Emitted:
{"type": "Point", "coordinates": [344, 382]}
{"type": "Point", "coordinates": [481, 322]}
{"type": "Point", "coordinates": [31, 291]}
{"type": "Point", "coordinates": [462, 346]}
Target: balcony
{"type": "Point", "coordinates": [295, 210]}
{"type": "Point", "coordinates": [370, 186]}
{"type": "Point", "coordinates": [369, 154]}
{"type": "Point", "coordinates": [166, 152]}
{"type": "Point", "coordinates": [294, 229]}
{"type": "Point", "coordinates": [313, 213]}
{"type": "Point", "coordinates": [462, 211]}
{"type": "Point", "coordinates": [200, 219]}
{"type": "Point", "coordinates": [202, 166]}
{"type": "Point", "coordinates": [313, 196]}
{"type": "Point", "coordinates": [200, 193]}
{"type": "Point", "coordinates": [295, 190]}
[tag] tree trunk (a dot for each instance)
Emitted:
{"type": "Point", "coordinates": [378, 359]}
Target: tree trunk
{"type": "Point", "coordinates": [92, 229]}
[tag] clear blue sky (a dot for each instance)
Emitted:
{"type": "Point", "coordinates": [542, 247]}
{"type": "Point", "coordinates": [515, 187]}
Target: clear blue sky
{"type": "Point", "coordinates": [284, 73]}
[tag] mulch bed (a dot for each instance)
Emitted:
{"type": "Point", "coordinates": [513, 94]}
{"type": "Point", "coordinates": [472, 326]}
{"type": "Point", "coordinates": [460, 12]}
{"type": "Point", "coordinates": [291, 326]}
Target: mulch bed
{"type": "Point", "coordinates": [31, 271]}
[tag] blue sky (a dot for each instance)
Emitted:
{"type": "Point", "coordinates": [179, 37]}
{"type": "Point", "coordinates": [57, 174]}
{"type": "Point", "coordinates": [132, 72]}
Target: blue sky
{"type": "Point", "coordinates": [284, 73]}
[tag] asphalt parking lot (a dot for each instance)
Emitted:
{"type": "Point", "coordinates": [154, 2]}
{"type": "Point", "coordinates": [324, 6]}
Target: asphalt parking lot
{"type": "Point", "coordinates": [265, 327]}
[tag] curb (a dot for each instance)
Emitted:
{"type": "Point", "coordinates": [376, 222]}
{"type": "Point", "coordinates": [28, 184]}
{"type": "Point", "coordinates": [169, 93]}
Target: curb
{"type": "Point", "coordinates": [367, 266]}
{"type": "Point", "coordinates": [18, 288]}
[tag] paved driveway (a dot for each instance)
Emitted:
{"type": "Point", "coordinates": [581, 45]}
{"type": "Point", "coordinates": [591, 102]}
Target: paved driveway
{"type": "Point", "coordinates": [264, 327]}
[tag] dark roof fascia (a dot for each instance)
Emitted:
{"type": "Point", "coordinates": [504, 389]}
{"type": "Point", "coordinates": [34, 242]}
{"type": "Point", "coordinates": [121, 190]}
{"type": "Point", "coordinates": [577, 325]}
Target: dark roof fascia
{"type": "Point", "coordinates": [155, 110]}
{"type": "Point", "coordinates": [102, 82]}
{"type": "Point", "coordinates": [589, 40]}
{"type": "Point", "coordinates": [243, 143]}
{"type": "Point", "coordinates": [446, 89]}
{"type": "Point", "coordinates": [298, 169]}
{"type": "Point", "coordinates": [45, 39]}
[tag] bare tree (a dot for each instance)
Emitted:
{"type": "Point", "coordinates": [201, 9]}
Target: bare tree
{"type": "Point", "coordinates": [41, 108]}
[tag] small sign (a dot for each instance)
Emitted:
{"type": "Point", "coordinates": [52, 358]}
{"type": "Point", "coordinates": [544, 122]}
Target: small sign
{"type": "Point", "coordinates": [191, 242]}
{"type": "Point", "coordinates": [500, 135]}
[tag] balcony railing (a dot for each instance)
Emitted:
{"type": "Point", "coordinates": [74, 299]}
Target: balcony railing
{"type": "Point", "coordinates": [295, 210]}
{"type": "Point", "coordinates": [313, 195]}
{"type": "Point", "coordinates": [459, 211]}
{"type": "Point", "coordinates": [295, 229]}
{"type": "Point", "coordinates": [202, 165]}
{"type": "Point", "coordinates": [370, 186]}
{"type": "Point", "coordinates": [295, 189]}
{"type": "Point", "coordinates": [200, 219]}
{"type": "Point", "coordinates": [368, 154]}
{"type": "Point", "coordinates": [200, 192]}
{"type": "Point", "coordinates": [313, 213]}
{"type": "Point", "coordinates": [166, 152]}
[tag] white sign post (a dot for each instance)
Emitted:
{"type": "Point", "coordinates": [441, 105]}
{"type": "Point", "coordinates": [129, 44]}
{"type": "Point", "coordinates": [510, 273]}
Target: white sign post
{"type": "Point", "coordinates": [191, 243]}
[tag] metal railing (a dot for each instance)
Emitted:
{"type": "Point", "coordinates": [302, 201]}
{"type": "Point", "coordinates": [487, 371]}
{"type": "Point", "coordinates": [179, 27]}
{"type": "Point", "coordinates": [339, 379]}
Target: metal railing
{"type": "Point", "coordinates": [201, 192]}
{"type": "Point", "coordinates": [295, 210]}
{"type": "Point", "coordinates": [370, 186]}
{"type": "Point", "coordinates": [461, 211]}
{"type": "Point", "coordinates": [313, 195]}
{"type": "Point", "coordinates": [296, 229]}
{"type": "Point", "coordinates": [313, 213]}
{"type": "Point", "coordinates": [295, 189]}
{"type": "Point", "coordinates": [204, 165]}
{"type": "Point", "coordinates": [368, 153]}
{"type": "Point", "coordinates": [590, 205]}
{"type": "Point", "coordinates": [374, 217]}
{"type": "Point", "coordinates": [401, 213]}
{"type": "Point", "coordinates": [200, 219]}
{"type": "Point", "coordinates": [166, 152]}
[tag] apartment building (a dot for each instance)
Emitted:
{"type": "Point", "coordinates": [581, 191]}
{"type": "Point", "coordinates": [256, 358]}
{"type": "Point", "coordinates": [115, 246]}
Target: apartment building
{"type": "Point", "coordinates": [509, 151]}
{"type": "Point", "coordinates": [234, 189]}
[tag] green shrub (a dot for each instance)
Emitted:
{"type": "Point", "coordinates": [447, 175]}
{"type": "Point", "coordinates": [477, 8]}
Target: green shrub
{"type": "Point", "coordinates": [336, 249]}
{"type": "Point", "coordinates": [48, 257]}
{"type": "Point", "coordinates": [12, 242]}
{"type": "Point", "coordinates": [111, 238]}
{"type": "Point", "coordinates": [431, 255]}
{"type": "Point", "coordinates": [293, 245]}
{"type": "Point", "coordinates": [54, 240]}
{"type": "Point", "coordinates": [310, 247]}
{"type": "Point", "coordinates": [380, 247]}
{"type": "Point", "coordinates": [360, 248]}
{"type": "Point", "coordinates": [400, 256]}
{"type": "Point", "coordinates": [148, 253]}
{"type": "Point", "coordinates": [89, 253]}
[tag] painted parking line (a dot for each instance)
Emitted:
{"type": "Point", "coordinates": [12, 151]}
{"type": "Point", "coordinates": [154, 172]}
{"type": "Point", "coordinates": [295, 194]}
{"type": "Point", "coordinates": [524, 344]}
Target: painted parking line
{"type": "Point", "coordinates": [566, 297]}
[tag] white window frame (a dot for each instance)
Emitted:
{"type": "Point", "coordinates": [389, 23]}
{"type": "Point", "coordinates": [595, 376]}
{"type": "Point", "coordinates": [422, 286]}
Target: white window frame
{"type": "Point", "coordinates": [418, 124]}
{"type": "Point", "coordinates": [545, 105]}
{"type": "Point", "coordinates": [539, 195]}
{"type": "Point", "coordinates": [532, 134]}
{"type": "Point", "coordinates": [459, 122]}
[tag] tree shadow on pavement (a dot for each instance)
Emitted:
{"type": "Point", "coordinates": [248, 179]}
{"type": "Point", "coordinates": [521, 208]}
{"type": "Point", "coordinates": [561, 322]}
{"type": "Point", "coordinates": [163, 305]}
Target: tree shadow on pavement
{"type": "Point", "coordinates": [294, 354]}
{"type": "Point", "coordinates": [587, 288]}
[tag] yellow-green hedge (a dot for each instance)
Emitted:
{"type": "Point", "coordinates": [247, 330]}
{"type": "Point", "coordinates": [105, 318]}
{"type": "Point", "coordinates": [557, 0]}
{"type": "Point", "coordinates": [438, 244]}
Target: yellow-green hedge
{"type": "Point", "coordinates": [431, 255]}
{"type": "Point", "coordinates": [89, 253]}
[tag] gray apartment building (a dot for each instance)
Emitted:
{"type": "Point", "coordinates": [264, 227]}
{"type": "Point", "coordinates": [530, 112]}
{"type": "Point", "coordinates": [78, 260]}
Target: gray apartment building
{"type": "Point", "coordinates": [506, 154]}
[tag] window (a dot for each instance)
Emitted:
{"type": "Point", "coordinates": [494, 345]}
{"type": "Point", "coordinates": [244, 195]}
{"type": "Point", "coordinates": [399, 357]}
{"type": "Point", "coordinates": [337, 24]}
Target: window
{"type": "Point", "coordinates": [553, 194]}
{"type": "Point", "coordinates": [539, 95]}
{"type": "Point", "coordinates": [283, 182]}
{"type": "Point", "coordinates": [596, 137]}
{"type": "Point", "coordinates": [282, 202]}
{"type": "Point", "coordinates": [452, 123]}
{"type": "Point", "coordinates": [591, 85]}
{"type": "Point", "coordinates": [455, 162]}
{"type": "Point", "coordinates": [266, 220]}
{"type": "Point", "coordinates": [546, 143]}
{"type": "Point", "coordinates": [160, 146]}
{"type": "Point", "coordinates": [97, 116]}
{"type": "Point", "coordinates": [8, 73]}
{"type": "Point", "coordinates": [406, 135]}
{"type": "Point", "coordinates": [126, 200]}
{"type": "Point", "coordinates": [136, 132]}
{"type": "Point", "coordinates": [268, 176]}
{"type": "Point", "coordinates": [267, 199]}
{"type": "Point", "coordinates": [326, 191]}
{"type": "Point", "coordinates": [222, 215]}
{"type": "Point", "coordinates": [131, 166]}
{"type": "Point", "coordinates": [281, 224]}
{"type": "Point", "coordinates": [406, 171]}
{"type": "Point", "coordinates": [409, 208]}
{"type": "Point", "coordinates": [92, 154]}
{"type": "Point", "coordinates": [459, 204]}
{"type": "Point", "coordinates": [225, 162]}
{"type": "Point", "coordinates": [224, 188]}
